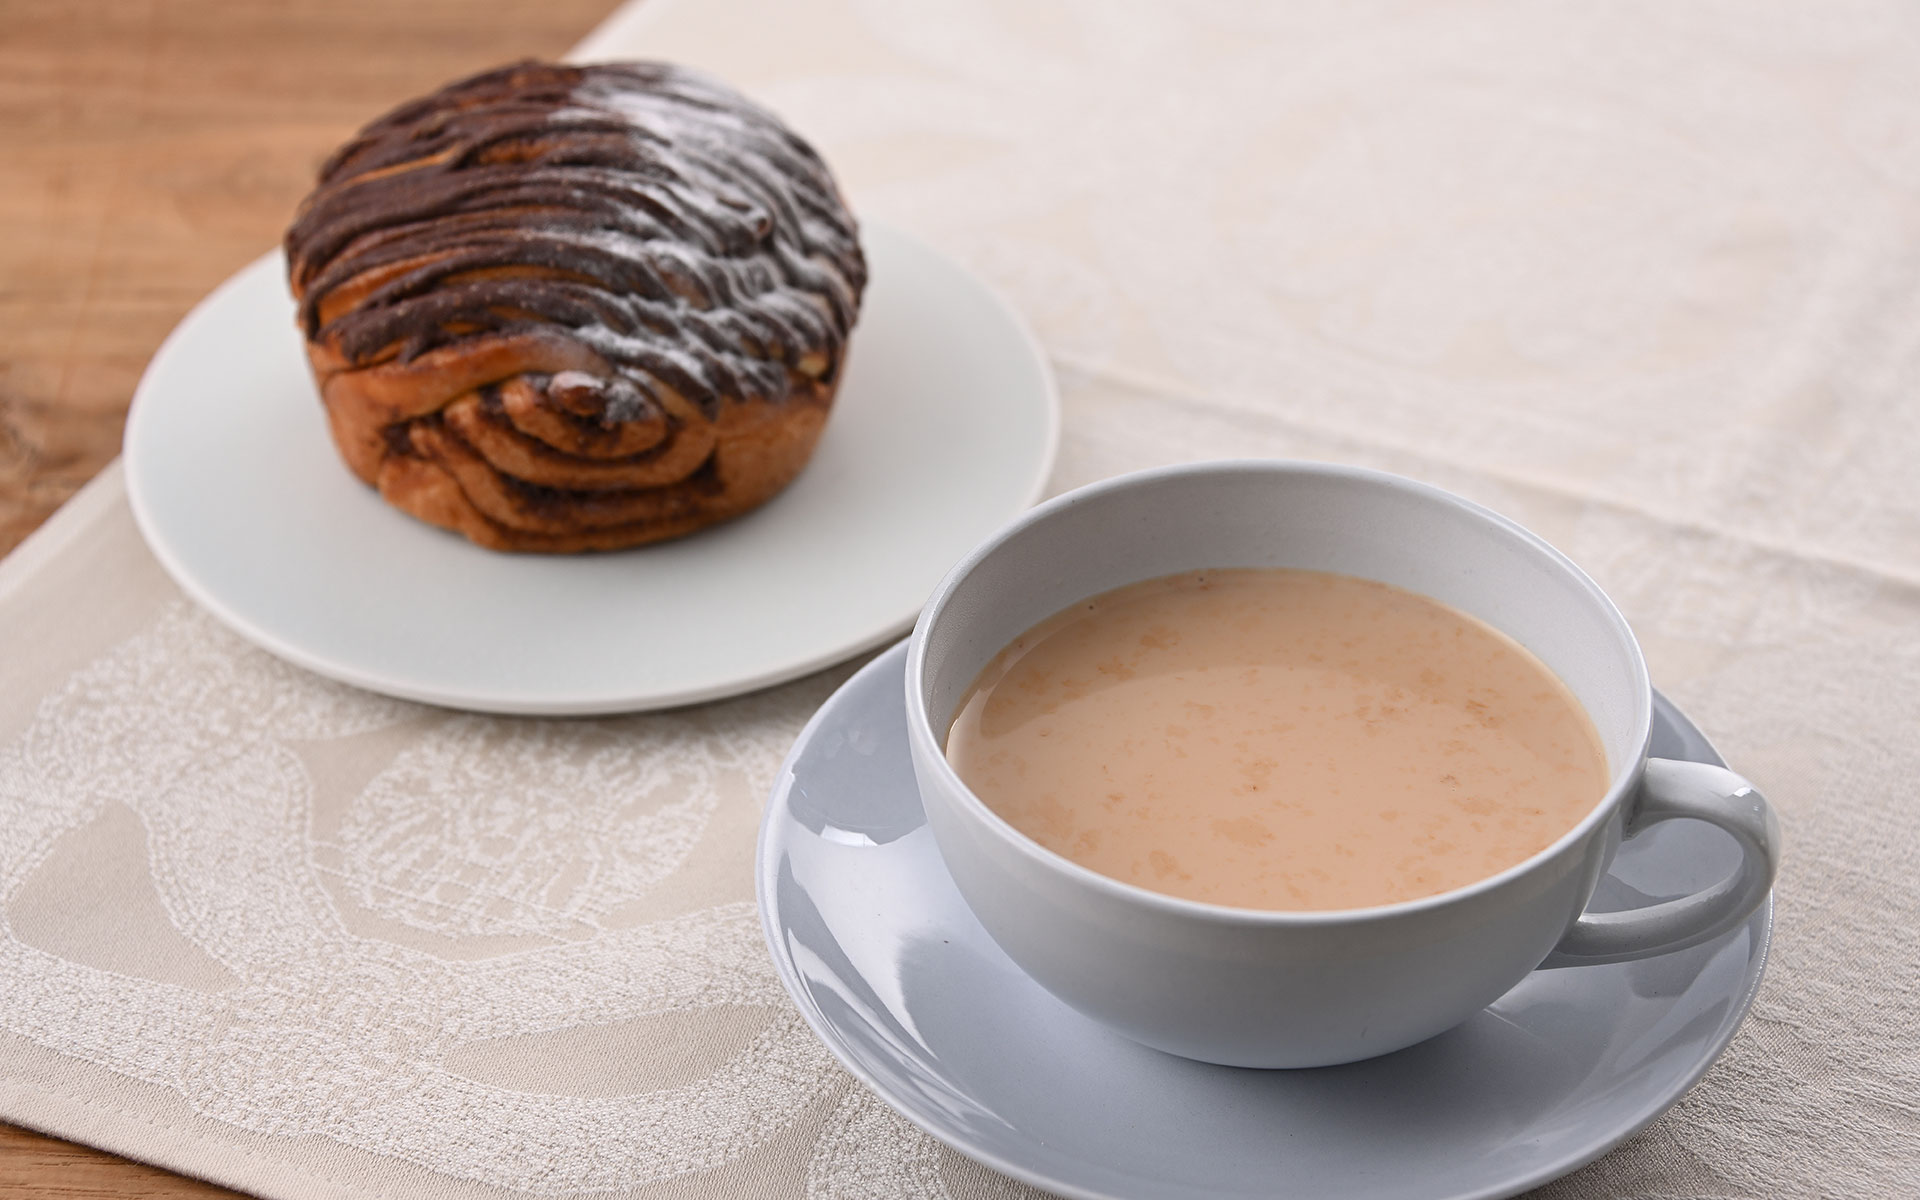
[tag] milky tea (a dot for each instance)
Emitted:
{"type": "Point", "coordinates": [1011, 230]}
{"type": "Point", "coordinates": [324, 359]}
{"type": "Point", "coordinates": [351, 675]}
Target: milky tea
{"type": "Point", "coordinates": [1278, 739]}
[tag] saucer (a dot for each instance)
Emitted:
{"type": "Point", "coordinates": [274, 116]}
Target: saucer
{"type": "Point", "coordinates": [896, 976]}
{"type": "Point", "coordinates": [944, 428]}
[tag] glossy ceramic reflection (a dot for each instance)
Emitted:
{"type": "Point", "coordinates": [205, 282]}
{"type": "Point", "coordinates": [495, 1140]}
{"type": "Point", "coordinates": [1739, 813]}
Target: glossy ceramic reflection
{"type": "Point", "coordinates": [944, 427]}
{"type": "Point", "coordinates": [892, 969]}
{"type": "Point", "coordinates": [1303, 989]}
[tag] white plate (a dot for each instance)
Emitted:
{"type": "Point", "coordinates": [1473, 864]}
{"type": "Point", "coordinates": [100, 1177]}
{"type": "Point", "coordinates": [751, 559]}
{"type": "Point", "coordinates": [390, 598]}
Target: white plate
{"type": "Point", "coordinates": [891, 969]}
{"type": "Point", "coordinates": [944, 428]}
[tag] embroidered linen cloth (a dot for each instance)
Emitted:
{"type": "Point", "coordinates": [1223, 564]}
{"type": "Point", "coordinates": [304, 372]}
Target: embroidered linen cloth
{"type": "Point", "coordinates": [1645, 277]}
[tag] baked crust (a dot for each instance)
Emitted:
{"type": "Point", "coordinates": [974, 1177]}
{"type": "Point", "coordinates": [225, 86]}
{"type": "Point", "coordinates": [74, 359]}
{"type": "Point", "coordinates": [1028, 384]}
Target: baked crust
{"type": "Point", "coordinates": [561, 308]}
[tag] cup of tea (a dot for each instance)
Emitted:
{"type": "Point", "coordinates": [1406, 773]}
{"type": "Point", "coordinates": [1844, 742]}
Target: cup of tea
{"type": "Point", "coordinates": [1287, 764]}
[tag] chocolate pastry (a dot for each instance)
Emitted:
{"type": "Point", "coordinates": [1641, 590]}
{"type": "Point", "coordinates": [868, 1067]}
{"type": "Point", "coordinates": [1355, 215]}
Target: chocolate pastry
{"type": "Point", "coordinates": [562, 308]}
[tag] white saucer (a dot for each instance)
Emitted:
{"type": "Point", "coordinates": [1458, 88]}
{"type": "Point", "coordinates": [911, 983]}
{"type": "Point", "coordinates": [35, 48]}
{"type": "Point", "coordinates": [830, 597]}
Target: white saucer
{"type": "Point", "coordinates": [944, 428]}
{"type": "Point", "coordinates": [892, 971]}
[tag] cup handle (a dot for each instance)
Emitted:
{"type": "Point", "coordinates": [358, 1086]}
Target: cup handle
{"type": "Point", "coordinates": [1672, 788]}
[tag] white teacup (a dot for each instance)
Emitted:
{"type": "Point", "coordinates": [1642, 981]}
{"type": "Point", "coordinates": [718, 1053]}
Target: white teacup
{"type": "Point", "coordinates": [1296, 989]}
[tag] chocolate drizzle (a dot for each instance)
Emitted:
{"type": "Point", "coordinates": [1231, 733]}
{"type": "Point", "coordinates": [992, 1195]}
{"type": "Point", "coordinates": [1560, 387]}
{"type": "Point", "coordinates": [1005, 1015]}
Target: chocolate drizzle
{"type": "Point", "coordinates": [663, 221]}
{"type": "Point", "coordinates": [564, 308]}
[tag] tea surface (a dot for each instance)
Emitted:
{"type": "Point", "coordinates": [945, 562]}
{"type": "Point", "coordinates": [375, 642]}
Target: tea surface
{"type": "Point", "coordinates": [1278, 739]}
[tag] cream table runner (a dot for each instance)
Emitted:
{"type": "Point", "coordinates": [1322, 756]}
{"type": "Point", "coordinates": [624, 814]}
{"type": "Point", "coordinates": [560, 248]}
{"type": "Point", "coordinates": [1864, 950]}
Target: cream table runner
{"type": "Point", "coordinates": [1645, 276]}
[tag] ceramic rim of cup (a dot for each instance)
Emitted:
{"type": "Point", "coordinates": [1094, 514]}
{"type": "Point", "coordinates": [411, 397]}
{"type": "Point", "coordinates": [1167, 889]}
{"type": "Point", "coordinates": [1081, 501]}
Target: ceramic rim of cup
{"type": "Point", "coordinates": [920, 725]}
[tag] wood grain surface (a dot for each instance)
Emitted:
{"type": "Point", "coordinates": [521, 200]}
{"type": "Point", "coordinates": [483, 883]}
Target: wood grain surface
{"type": "Point", "coordinates": [148, 148]}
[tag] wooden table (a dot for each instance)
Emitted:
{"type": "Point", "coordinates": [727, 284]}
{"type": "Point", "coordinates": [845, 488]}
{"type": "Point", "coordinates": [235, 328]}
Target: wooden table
{"type": "Point", "coordinates": [148, 148]}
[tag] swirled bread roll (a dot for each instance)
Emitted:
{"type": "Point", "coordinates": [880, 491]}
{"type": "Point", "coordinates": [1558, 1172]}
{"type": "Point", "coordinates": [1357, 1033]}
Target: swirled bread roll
{"type": "Point", "coordinates": [562, 308]}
